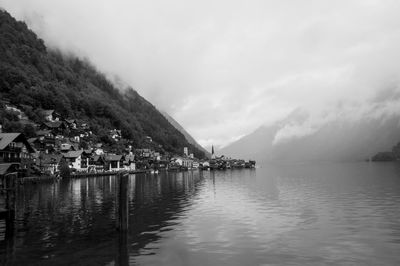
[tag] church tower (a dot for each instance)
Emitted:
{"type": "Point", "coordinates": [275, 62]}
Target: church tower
{"type": "Point", "coordinates": [212, 152]}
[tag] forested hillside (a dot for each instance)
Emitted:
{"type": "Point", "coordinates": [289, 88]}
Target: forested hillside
{"type": "Point", "coordinates": [35, 78]}
{"type": "Point", "coordinates": [188, 137]}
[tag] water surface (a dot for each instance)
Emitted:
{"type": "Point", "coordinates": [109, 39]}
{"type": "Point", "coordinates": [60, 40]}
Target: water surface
{"type": "Point", "coordinates": [325, 214]}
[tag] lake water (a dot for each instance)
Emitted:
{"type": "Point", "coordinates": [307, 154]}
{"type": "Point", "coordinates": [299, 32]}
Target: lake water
{"type": "Point", "coordinates": [326, 214]}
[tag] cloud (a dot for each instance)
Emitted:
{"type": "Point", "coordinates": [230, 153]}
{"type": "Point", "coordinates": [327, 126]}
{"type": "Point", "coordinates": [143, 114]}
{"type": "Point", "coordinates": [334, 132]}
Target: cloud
{"type": "Point", "coordinates": [223, 68]}
{"type": "Point", "coordinates": [384, 105]}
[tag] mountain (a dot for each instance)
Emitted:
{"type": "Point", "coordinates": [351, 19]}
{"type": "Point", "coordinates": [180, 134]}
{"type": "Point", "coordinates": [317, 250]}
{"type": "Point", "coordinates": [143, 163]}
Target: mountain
{"type": "Point", "coordinates": [337, 140]}
{"type": "Point", "coordinates": [188, 137]}
{"type": "Point", "coordinates": [35, 78]}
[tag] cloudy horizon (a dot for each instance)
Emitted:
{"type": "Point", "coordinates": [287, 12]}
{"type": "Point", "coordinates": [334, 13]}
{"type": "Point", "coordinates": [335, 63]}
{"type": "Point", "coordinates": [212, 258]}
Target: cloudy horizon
{"type": "Point", "coordinates": [224, 68]}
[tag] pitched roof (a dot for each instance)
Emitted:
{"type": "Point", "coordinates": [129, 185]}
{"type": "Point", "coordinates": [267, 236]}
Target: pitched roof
{"type": "Point", "coordinates": [72, 154]}
{"type": "Point", "coordinates": [51, 158]}
{"type": "Point", "coordinates": [113, 157]}
{"type": "Point", "coordinates": [31, 140]}
{"type": "Point", "coordinates": [7, 138]}
{"type": "Point", "coordinates": [70, 121]}
{"type": "Point", "coordinates": [55, 124]}
{"type": "Point", "coordinates": [43, 132]}
{"type": "Point", "coordinates": [4, 168]}
{"type": "Point", "coordinates": [96, 158]}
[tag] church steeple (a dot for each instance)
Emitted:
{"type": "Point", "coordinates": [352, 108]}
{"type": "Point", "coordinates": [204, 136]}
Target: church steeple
{"type": "Point", "coordinates": [212, 152]}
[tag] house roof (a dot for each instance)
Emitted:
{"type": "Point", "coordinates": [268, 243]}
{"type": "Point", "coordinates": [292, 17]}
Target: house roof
{"type": "Point", "coordinates": [55, 124]}
{"type": "Point", "coordinates": [73, 154]}
{"type": "Point", "coordinates": [70, 121]}
{"type": "Point", "coordinates": [5, 167]}
{"type": "Point", "coordinates": [47, 112]}
{"type": "Point", "coordinates": [113, 157]}
{"type": "Point", "coordinates": [97, 157]}
{"type": "Point", "coordinates": [51, 158]}
{"type": "Point", "coordinates": [31, 140]}
{"type": "Point", "coordinates": [43, 132]}
{"type": "Point", "coordinates": [7, 138]}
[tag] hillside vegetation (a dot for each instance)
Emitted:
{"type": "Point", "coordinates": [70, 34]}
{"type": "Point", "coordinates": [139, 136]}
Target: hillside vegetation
{"type": "Point", "coordinates": [35, 78]}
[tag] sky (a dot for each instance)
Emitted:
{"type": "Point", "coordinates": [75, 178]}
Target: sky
{"type": "Point", "coordinates": [223, 68]}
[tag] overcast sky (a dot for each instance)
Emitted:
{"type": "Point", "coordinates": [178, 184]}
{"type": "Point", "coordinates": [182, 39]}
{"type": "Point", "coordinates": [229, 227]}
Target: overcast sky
{"type": "Point", "coordinates": [223, 68]}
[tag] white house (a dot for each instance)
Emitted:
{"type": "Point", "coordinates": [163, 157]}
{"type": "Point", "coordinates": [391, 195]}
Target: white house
{"type": "Point", "coordinates": [74, 159]}
{"type": "Point", "coordinates": [182, 161]}
{"type": "Point", "coordinates": [115, 162]}
{"type": "Point", "coordinates": [129, 162]}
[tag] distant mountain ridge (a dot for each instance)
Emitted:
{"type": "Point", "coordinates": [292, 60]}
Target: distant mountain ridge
{"type": "Point", "coordinates": [188, 137]}
{"type": "Point", "coordinates": [35, 79]}
{"type": "Point", "coordinates": [334, 141]}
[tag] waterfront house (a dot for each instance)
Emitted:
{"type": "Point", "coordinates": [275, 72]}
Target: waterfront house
{"type": "Point", "coordinates": [182, 161]}
{"type": "Point", "coordinates": [74, 159]}
{"type": "Point", "coordinates": [15, 148]}
{"type": "Point", "coordinates": [129, 162]}
{"type": "Point", "coordinates": [86, 155]}
{"type": "Point", "coordinates": [114, 162]}
{"type": "Point", "coordinates": [7, 168]}
{"type": "Point", "coordinates": [195, 164]}
{"type": "Point", "coordinates": [97, 163]}
{"type": "Point", "coordinates": [49, 163]}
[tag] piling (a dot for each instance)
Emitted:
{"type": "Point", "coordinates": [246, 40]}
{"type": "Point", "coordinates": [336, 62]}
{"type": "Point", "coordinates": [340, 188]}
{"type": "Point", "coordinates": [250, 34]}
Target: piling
{"type": "Point", "coordinates": [9, 211]}
{"type": "Point", "coordinates": [122, 217]}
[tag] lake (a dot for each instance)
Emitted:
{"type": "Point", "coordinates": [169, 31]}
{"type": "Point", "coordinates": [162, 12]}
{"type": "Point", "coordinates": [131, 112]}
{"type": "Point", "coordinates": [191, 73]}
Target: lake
{"type": "Point", "coordinates": [306, 214]}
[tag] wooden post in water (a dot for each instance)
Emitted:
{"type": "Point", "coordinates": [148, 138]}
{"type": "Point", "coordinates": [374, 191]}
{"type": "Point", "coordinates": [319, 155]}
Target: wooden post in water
{"type": "Point", "coordinates": [11, 202]}
{"type": "Point", "coordinates": [122, 217]}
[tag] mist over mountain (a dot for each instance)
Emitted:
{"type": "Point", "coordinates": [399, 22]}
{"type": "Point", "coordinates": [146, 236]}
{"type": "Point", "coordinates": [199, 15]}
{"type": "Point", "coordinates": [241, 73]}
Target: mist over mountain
{"type": "Point", "coordinates": [339, 134]}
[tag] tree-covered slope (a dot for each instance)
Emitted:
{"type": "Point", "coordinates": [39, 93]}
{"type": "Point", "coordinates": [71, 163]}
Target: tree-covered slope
{"type": "Point", "coordinates": [188, 137]}
{"type": "Point", "coordinates": [35, 78]}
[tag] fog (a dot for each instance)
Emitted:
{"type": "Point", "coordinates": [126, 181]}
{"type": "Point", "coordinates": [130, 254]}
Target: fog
{"type": "Point", "coordinates": [224, 68]}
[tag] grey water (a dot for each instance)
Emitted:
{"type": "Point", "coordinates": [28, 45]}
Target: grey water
{"type": "Point", "coordinates": [306, 214]}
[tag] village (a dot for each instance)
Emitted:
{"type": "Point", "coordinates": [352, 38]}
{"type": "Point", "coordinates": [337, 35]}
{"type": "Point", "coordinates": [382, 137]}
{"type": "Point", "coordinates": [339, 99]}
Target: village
{"type": "Point", "coordinates": [62, 147]}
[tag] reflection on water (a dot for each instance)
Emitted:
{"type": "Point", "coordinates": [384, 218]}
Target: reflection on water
{"type": "Point", "coordinates": [303, 214]}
